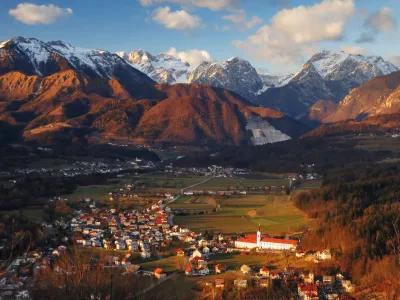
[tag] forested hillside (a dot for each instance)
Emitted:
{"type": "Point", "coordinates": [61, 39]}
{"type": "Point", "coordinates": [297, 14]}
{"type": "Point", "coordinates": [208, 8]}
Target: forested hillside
{"type": "Point", "coordinates": [359, 213]}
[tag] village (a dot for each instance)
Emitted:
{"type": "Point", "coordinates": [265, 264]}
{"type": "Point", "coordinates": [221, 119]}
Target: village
{"type": "Point", "coordinates": [141, 227]}
{"type": "Point", "coordinates": [147, 236]}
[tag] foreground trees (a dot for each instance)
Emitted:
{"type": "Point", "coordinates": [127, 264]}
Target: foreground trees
{"type": "Point", "coordinates": [79, 276]}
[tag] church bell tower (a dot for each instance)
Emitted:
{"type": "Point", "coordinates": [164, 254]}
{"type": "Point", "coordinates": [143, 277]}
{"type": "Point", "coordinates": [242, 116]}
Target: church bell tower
{"type": "Point", "coordinates": [259, 236]}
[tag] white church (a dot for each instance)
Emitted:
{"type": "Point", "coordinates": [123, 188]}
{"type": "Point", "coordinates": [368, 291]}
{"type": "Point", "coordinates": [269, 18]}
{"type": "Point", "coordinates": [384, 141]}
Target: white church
{"type": "Point", "coordinates": [265, 241]}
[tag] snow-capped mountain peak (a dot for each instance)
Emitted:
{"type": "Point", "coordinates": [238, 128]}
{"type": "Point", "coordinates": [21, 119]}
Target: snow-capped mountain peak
{"type": "Point", "coordinates": [326, 75]}
{"type": "Point", "coordinates": [334, 65]}
{"type": "Point", "coordinates": [35, 57]}
{"type": "Point", "coordinates": [235, 74]}
{"type": "Point", "coordinates": [163, 68]}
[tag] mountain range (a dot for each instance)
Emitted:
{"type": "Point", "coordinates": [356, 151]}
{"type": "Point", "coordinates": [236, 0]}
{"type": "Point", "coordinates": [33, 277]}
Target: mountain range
{"type": "Point", "coordinates": [52, 88]}
{"type": "Point", "coordinates": [48, 88]}
{"type": "Point", "coordinates": [326, 76]}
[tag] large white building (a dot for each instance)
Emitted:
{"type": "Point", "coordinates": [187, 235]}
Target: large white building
{"type": "Point", "coordinates": [261, 241]}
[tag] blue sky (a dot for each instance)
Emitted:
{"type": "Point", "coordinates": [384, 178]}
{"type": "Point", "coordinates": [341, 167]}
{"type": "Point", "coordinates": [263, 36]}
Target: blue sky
{"type": "Point", "coordinates": [278, 35]}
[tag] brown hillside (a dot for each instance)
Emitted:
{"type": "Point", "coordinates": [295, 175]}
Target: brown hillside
{"type": "Point", "coordinates": [378, 96]}
{"type": "Point", "coordinates": [186, 114]}
{"type": "Point", "coordinates": [376, 124]}
{"type": "Point", "coordinates": [322, 109]}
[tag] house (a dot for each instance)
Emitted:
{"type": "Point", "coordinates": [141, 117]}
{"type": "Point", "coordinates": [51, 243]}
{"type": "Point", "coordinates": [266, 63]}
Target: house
{"type": "Point", "coordinates": [219, 283]}
{"type": "Point", "coordinates": [158, 273]}
{"type": "Point", "coordinates": [220, 269]}
{"type": "Point", "coordinates": [308, 291]}
{"type": "Point", "coordinates": [206, 250]}
{"type": "Point", "coordinates": [308, 279]}
{"type": "Point", "coordinates": [202, 262]}
{"type": "Point", "coordinates": [180, 253]}
{"type": "Point", "coordinates": [324, 255]}
{"type": "Point", "coordinates": [328, 279]}
{"type": "Point", "coordinates": [340, 277]}
{"type": "Point", "coordinates": [196, 253]}
{"type": "Point", "coordinates": [264, 272]}
{"type": "Point", "coordinates": [134, 269]}
{"type": "Point", "coordinates": [240, 283]}
{"type": "Point", "coordinates": [188, 271]}
{"type": "Point", "coordinates": [245, 269]}
{"type": "Point", "coordinates": [300, 253]}
{"type": "Point", "coordinates": [348, 286]}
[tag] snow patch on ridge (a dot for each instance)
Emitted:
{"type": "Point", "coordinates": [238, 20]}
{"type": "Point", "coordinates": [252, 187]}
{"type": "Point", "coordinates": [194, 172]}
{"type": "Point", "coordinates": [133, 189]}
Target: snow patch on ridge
{"type": "Point", "coordinates": [263, 132]}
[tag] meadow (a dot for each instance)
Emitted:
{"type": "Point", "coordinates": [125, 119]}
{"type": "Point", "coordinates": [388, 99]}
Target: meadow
{"type": "Point", "coordinates": [98, 192]}
{"type": "Point", "coordinates": [223, 184]}
{"type": "Point", "coordinates": [275, 213]}
{"type": "Point", "coordinates": [194, 203]}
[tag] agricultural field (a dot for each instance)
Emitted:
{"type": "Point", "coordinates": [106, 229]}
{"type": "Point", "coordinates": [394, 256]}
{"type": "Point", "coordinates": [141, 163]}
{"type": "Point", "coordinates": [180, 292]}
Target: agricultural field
{"type": "Point", "coordinates": [98, 192]}
{"type": "Point", "coordinates": [168, 264]}
{"type": "Point", "coordinates": [223, 184]}
{"type": "Point", "coordinates": [276, 214]}
{"type": "Point", "coordinates": [194, 203]}
{"type": "Point", "coordinates": [165, 183]}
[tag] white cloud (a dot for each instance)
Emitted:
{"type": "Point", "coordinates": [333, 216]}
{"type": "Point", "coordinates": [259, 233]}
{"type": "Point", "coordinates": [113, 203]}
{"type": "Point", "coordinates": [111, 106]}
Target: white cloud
{"type": "Point", "coordinates": [382, 21]}
{"type": "Point", "coordinates": [239, 18]}
{"type": "Point", "coordinates": [178, 20]}
{"type": "Point", "coordinates": [31, 14]}
{"type": "Point", "coordinates": [295, 33]}
{"type": "Point", "coordinates": [211, 4]}
{"type": "Point", "coordinates": [353, 50]}
{"type": "Point", "coordinates": [194, 57]}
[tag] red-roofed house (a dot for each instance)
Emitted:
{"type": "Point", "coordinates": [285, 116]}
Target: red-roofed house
{"type": "Point", "coordinates": [158, 273]}
{"type": "Point", "coordinates": [308, 291]}
{"type": "Point", "coordinates": [264, 271]}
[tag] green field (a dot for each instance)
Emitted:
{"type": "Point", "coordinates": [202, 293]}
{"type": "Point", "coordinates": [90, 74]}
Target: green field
{"type": "Point", "coordinates": [218, 184]}
{"type": "Point", "coordinates": [275, 213]}
{"type": "Point", "coordinates": [168, 264]}
{"type": "Point", "coordinates": [97, 192]}
{"type": "Point", "coordinates": [194, 203]}
{"type": "Point", "coordinates": [166, 183]}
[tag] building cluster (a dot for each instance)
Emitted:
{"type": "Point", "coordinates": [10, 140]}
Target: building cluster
{"type": "Point", "coordinates": [235, 192]}
{"type": "Point", "coordinates": [314, 256]}
{"type": "Point", "coordinates": [212, 171]}
{"type": "Point", "coordinates": [76, 169]}
{"type": "Point", "coordinates": [145, 231]}
{"type": "Point", "coordinates": [308, 286]}
{"type": "Point", "coordinates": [17, 278]}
